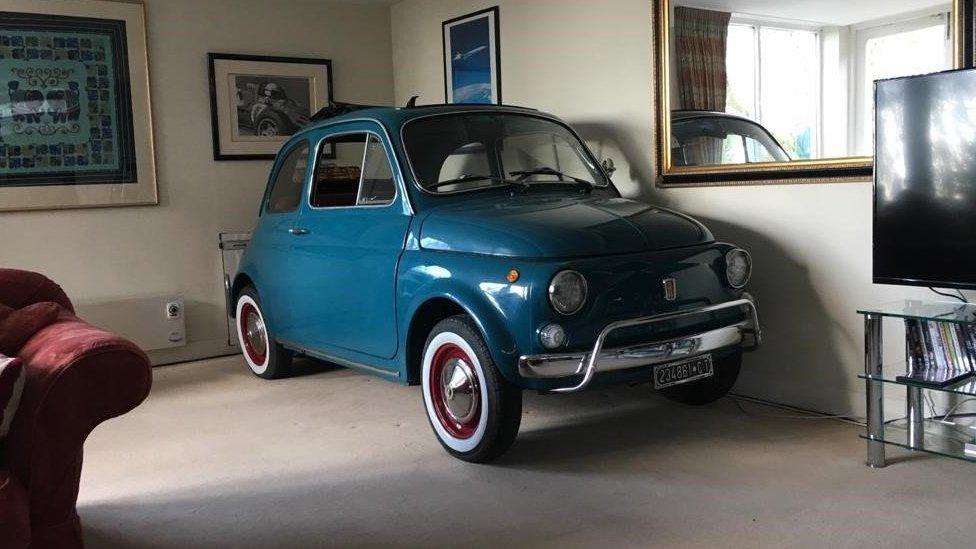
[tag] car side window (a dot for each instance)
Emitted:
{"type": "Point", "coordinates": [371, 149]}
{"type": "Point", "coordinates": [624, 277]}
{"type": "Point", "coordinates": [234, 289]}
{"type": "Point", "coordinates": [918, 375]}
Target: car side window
{"type": "Point", "coordinates": [377, 187]}
{"type": "Point", "coordinates": [757, 151]}
{"type": "Point", "coordinates": [733, 149]}
{"type": "Point", "coordinates": [352, 169]}
{"type": "Point", "coordinates": [286, 192]}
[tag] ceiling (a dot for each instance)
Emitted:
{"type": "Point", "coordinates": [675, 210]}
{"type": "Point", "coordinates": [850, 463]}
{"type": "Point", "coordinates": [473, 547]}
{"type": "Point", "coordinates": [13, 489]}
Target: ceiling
{"type": "Point", "coordinates": [825, 12]}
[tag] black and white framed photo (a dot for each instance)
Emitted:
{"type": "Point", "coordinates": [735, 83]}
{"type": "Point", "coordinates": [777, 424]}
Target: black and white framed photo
{"type": "Point", "coordinates": [75, 119]}
{"type": "Point", "coordinates": [257, 102]}
{"type": "Point", "coordinates": [472, 63]}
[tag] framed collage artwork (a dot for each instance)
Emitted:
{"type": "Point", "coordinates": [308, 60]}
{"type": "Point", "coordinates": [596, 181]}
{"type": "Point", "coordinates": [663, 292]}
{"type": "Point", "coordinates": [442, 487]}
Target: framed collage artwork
{"type": "Point", "coordinates": [75, 118]}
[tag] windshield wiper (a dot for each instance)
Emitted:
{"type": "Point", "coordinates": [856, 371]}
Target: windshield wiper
{"type": "Point", "coordinates": [546, 170]}
{"type": "Point", "coordinates": [518, 183]}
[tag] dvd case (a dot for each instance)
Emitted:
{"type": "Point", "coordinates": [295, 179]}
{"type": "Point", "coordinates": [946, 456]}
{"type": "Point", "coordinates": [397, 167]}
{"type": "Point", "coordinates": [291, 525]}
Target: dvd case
{"type": "Point", "coordinates": [938, 353]}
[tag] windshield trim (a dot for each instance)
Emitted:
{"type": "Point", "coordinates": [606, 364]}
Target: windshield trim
{"type": "Point", "coordinates": [567, 127]}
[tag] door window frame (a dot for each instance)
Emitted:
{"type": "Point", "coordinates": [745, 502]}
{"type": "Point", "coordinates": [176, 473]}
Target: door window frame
{"type": "Point", "coordinates": [362, 171]}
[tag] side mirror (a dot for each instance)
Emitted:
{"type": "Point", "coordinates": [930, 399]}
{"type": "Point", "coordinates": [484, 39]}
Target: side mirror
{"type": "Point", "coordinates": [608, 166]}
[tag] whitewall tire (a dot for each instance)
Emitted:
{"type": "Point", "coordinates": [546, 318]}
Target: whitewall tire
{"type": "Point", "coordinates": [474, 412]}
{"type": "Point", "coordinates": [265, 357]}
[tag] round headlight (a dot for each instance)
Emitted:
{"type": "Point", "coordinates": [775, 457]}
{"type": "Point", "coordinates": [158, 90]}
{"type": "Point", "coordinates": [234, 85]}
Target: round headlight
{"type": "Point", "coordinates": [567, 292]}
{"type": "Point", "coordinates": [738, 267]}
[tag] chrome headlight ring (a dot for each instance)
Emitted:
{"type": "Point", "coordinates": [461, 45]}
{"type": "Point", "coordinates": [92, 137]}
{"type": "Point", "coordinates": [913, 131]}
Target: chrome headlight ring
{"type": "Point", "coordinates": [738, 268]}
{"type": "Point", "coordinates": [567, 292]}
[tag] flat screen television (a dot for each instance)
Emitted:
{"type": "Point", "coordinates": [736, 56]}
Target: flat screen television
{"type": "Point", "coordinates": [925, 180]}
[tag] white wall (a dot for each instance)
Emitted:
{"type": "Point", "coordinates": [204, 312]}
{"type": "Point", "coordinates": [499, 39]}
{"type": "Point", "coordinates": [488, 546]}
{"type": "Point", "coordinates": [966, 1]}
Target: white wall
{"type": "Point", "coordinates": [106, 255]}
{"type": "Point", "coordinates": [591, 63]}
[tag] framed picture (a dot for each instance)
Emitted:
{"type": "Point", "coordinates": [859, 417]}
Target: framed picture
{"type": "Point", "coordinates": [257, 102]}
{"type": "Point", "coordinates": [75, 119]}
{"type": "Point", "coordinates": [472, 64]}
{"type": "Point", "coordinates": [966, 25]}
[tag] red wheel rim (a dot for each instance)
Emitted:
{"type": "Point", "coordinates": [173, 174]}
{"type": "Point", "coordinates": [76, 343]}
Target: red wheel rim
{"type": "Point", "coordinates": [458, 404]}
{"type": "Point", "coordinates": [253, 334]}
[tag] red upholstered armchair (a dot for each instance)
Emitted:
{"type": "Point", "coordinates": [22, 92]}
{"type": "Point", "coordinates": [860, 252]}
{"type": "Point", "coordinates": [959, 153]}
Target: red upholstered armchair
{"type": "Point", "coordinates": [77, 376]}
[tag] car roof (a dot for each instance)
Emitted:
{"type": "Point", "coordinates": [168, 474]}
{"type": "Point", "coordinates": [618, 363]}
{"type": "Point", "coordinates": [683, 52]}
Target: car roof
{"type": "Point", "coordinates": [688, 114]}
{"type": "Point", "coordinates": [394, 117]}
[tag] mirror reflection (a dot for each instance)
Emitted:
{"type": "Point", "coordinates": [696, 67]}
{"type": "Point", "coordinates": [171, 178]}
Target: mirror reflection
{"type": "Point", "coordinates": [760, 81]}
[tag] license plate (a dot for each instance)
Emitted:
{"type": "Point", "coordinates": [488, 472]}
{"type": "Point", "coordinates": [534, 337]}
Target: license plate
{"type": "Point", "coordinates": [683, 371]}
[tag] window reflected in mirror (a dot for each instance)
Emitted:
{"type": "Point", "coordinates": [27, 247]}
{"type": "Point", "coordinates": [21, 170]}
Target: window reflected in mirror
{"type": "Point", "coordinates": [754, 81]}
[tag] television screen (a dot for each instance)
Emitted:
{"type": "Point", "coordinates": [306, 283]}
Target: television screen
{"type": "Point", "coordinates": [925, 180]}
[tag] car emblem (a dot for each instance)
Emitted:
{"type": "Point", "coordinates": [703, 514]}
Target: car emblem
{"type": "Point", "coordinates": [670, 289]}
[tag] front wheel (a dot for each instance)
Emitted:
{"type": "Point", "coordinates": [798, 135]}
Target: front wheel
{"type": "Point", "coordinates": [710, 389]}
{"type": "Point", "coordinates": [474, 411]}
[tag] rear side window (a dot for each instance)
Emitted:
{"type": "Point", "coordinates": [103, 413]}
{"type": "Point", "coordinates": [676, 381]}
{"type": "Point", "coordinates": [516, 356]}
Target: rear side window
{"type": "Point", "coordinates": [286, 192]}
{"type": "Point", "coordinates": [377, 186]}
{"type": "Point", "coordinates": [352, 169]}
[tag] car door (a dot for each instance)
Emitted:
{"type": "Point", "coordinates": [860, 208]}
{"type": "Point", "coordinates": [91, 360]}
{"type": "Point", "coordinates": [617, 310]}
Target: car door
{"type": "Point", "coordinates": [352, 228]}
{"type": "Point", "coordinates": [270, 249]}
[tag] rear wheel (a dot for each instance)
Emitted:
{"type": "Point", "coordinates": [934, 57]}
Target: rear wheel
{"type": "Point", "coordinates": [709, 389]}
{"type": "Point", "coordinates": [264, 356]}
{"type": "Point", "coordinates": [474, 411]}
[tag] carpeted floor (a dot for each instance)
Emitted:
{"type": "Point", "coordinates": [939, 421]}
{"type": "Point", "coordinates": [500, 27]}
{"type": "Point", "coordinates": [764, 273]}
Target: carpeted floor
{"type": "Point", "coordinates": [218, 458]}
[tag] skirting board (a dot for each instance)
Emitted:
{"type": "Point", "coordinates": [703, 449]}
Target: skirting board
{"type": "Point", "coordinates": [195, 350]}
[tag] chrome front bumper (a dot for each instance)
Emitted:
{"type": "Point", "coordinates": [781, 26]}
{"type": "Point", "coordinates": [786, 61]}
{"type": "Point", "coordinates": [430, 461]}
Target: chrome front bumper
{"type": "Point", "coordinates": [745, 334]}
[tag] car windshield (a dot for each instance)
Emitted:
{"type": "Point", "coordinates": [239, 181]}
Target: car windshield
{"type": "Point", "coordinates": [708, 140]}
{"type": "Point", "coordinates": [466, 151]}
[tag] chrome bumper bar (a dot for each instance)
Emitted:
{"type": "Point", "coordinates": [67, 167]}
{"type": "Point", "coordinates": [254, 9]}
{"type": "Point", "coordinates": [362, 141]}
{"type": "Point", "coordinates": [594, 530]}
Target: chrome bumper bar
{"type": "Point", "coordinates": [746, 334]}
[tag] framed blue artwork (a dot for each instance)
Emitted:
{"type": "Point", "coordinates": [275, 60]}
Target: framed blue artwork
{"type": "Point", "coordinates": [74, 128]}
{"type": "Point", "coordinates": [472, 64]}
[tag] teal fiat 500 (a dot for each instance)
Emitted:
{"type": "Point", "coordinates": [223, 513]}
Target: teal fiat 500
{"type": "Point", "coordinates": [479, 251]}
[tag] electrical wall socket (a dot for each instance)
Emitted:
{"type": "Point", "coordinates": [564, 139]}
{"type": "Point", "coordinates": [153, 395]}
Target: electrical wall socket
{"type": "Point", "coordinates": [174, 309]}
{"type": "Point", "coordinates": [151, 322]}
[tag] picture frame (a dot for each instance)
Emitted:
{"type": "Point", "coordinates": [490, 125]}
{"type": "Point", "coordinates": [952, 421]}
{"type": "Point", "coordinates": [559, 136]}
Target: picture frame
{"type": "Point", "coordinates": [967, 31]}
{"type": "Point", "coordinates": [75, 114]}
{"type": "Point", "coordinates": [854, 168]}
{"type": "Point", "coordinates": [257, 102]}
{"type": "Point", "coordinates": [472, 58]}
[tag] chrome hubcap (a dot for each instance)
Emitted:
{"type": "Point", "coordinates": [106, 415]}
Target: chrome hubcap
{"type": "Point", "coordinates": [459, 390]}
{"type": "Point", "coordinates": [255, 332]}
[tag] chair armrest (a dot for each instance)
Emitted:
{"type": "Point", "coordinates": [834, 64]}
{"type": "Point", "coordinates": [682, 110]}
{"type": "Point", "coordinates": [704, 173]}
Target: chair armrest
{"type": "Point", "coordinates": [77, 377]}
{"type": "Point", "coordinates": [19, 289]}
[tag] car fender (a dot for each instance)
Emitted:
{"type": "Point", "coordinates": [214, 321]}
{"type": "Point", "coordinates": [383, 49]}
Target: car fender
{"type": "Point", "coordinates": [486, 313]}
{"type": "Point", "coordinates": [253, 273]}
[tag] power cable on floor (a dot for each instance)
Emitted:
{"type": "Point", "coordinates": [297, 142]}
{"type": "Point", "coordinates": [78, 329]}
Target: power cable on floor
{"type": "Point", "coordinates": [809, 413]}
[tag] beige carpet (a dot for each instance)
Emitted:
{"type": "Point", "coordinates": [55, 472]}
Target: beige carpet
{"type": "Point", "coordinates": [218, 458]}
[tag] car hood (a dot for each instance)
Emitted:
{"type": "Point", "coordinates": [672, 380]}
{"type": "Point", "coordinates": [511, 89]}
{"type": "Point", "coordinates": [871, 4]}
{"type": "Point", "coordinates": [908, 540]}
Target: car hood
{"type": "Point", "coordinates": [537, 225]}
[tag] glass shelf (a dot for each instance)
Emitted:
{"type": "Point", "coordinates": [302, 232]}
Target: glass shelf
{"type": "Point", "coordinates": [939, 438]}
{"type": "Point", "coordinates": [960, 313]}
{"type": "Point", "coordinates": [890, 373]}
{"type": "Point", "coordinates": [928, 435]}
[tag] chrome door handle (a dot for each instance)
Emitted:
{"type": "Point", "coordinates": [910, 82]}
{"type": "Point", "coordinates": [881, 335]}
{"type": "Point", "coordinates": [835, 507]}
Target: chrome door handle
{"type": "Point", "coordinates": [298, 232]}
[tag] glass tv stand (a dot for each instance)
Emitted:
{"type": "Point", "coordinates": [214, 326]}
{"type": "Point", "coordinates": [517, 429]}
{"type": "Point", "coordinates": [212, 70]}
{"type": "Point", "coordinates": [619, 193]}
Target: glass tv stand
{"type": "Point", "coordinates": [915, 431]}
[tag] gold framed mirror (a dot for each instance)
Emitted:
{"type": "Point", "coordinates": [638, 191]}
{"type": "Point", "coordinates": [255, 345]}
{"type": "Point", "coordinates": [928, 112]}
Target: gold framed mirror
{"type": "Point", "coordinates": [756, 92]}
